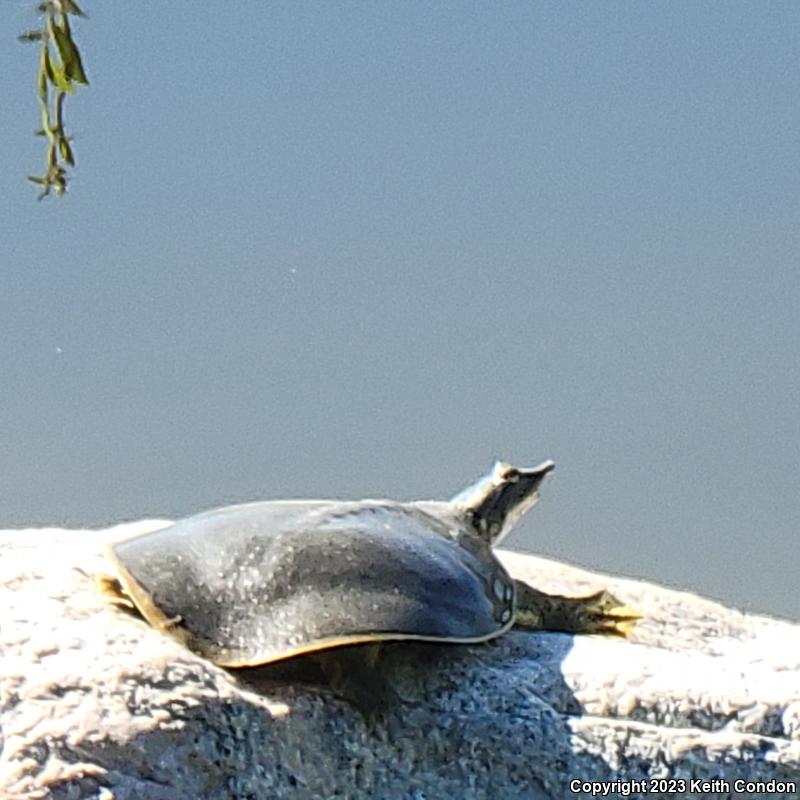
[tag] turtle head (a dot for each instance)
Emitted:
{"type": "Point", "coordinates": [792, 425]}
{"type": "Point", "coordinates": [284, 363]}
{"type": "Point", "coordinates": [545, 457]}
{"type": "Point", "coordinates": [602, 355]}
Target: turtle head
{"type": "Point", "coordinates": [497, 501]}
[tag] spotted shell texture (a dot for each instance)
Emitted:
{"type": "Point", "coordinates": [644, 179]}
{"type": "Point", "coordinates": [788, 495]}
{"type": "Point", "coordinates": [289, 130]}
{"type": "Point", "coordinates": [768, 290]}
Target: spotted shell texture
{"type": "Point", "coordinates": [256, 583]}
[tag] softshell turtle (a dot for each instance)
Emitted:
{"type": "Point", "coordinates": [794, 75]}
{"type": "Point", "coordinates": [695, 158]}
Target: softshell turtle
{"type": "Point", "coordinates": [254, 584]}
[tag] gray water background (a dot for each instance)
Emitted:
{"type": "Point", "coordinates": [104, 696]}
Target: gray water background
{"type": "Point", "coordinates": [363, 249]}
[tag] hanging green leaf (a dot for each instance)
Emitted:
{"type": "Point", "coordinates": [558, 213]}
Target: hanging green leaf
{"type": "Point", "coordinates": [70, 57]}
{"type": "Point", "coordinates": [31, 36]}
{"type": "Point", "coordinates": [60, 79]}
{"type": "Point", "coordinates": [44, 70]}
{"type": "Point", "coordinates": [66, 150]}
{"type": "Point", "coordinates": [60, 71]}
{"type": "Point", "coordinates": [60, 182]}
{"type": "Point", "coordinates": [71, 7]}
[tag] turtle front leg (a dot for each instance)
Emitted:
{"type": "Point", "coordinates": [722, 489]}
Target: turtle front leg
{"type": "Point", "coordinates": [600, 612]}
{"type": "Point", "coordinates": [354, 674]}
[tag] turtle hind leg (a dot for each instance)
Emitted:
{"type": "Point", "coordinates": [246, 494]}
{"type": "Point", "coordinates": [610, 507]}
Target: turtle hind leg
{"type": "Point", "coordinates": [111, 588]}
{"type": "Point", "coordinates": [600, 612]}
{"type": "Point", "coordinates": [353, 674]}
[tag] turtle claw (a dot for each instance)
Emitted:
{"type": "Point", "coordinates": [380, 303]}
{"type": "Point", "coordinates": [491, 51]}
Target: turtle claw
{"type": "Point", "coordinates": [610, 615]}
{"type": "Point", "coordinates": [603, 613]}
{"type": "Point", "coordinates": [598, 613]}
{"type": "Point", "coordinates": [111, 588]}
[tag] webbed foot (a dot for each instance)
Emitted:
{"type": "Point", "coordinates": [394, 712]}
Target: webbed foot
{"type": "Point", "coordinates": [600, 612]}
{"type": "Point", "coordinates": [111, 588]}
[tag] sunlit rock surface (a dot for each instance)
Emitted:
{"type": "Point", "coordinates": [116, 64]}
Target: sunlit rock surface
{"type": "Point", "coordinates": [95, 704]}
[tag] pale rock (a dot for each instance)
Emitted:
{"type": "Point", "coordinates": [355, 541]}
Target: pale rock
{"type": "Point", "coordinates": [96, 704]}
